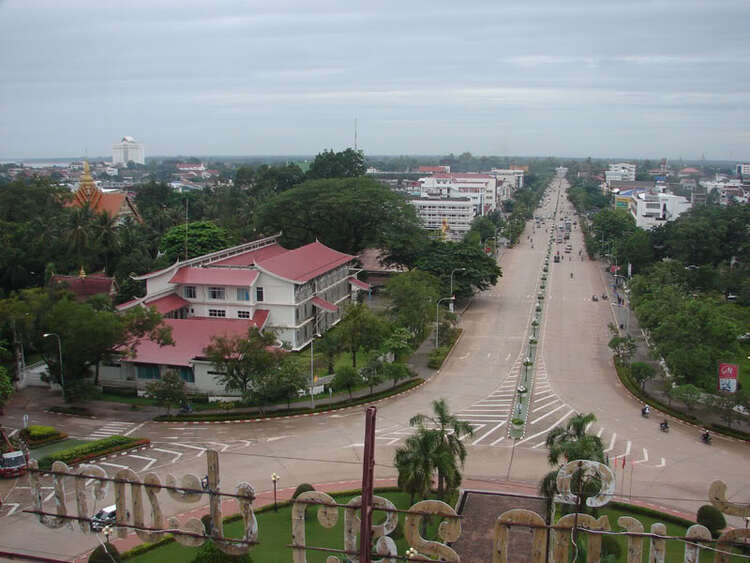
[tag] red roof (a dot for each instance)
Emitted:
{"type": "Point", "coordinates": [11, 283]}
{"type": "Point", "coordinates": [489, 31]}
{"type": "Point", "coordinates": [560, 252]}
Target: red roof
{"type": "Point", "coordinates": [251, 256]}
{"type": "Point", "coordinates": [359, 283]}
{"type": "Point", "coordinates": [433, 169]}
{"type": "Point", "coordinates": [215, 276]}
{"type": "Point", "coordinates": [168, 304]}
{"type": "Point", "coordinates": [323, 304]}
{"type": "Point", "coordinates": [305, 263]}
{"type": "Point", "coordinates": [690, 171]}
{"type": "Point", "coordinates": [85, 286]}
{"type": "Point", "coordinates": [191, 337]}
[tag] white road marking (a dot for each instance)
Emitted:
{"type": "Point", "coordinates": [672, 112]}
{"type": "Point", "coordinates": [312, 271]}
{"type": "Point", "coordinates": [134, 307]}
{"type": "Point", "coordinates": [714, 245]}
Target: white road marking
{"type": "Point", "coordinates": [544, 397]}
{"type": "Point", "coordinates": [391, 442]}
{"type": "Point", "coordinates": [49, 496]}
{"type": "Point", "coordinates": [475, 442]}
{"type": "Point", "coordinates": [129, 432]}
{"type": "Point", "coordinates": [13, 433]}
{"type": "Point", "coordinates": [177, 455]}
{"type": "Point", "coordinates": [14, 506]}
{"type": "Point", "coordinates": [117, 465]}
{"type": "Point", "coordinates": [645, 457]}
{"type": "Point", "coordinates": [274, 438]}
{"type": "Point", "coordinates": [547, 414]}
{"type": "Point", "coordinates": [224, 447]}
{"type": "Point", "coordinates": [192, 428]}
{"type": "Point", "coordinates": [500, 439]}
{"type": "Point", "coordinates": [587, 427]}
{"type": "Point", "coordinates": [200, 453]}
{"type": "Point", "coordinates": [611, 443]}
{"type": "Point", "coordinates": [599, 434]}
{"type": "Point", "coordinates": [151, 460]}
{"type": "Point", "coordinates": [546, 405]}
{"type": "Point", "coordinates": [627, 449]}
{"type": "Point", "coordinates": [571, 411]}
{"type": "Point", "coordinates": [507, 357]}
{"type": "Point", "coordinates": [663, 463]}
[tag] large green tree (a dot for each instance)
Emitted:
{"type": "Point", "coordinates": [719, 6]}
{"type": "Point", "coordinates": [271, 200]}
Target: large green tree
{"type": "Point", "coordinates": [345, 164]}
{"type": "Point", "coordinates": [477, 270]}
{"type": "Point", "coordinates": [413, 297]}
{"type": "Point", "coordinates": [347, 214]}
{"type": "Point", "coordinates": [202, 237]}
{"type": "Point", "coordinates": [360, 328]}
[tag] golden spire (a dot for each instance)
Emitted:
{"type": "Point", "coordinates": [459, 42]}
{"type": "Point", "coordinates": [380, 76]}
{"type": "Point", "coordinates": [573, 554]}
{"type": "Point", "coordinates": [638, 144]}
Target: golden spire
{"type": "Point", "coordinates": [87, 188]}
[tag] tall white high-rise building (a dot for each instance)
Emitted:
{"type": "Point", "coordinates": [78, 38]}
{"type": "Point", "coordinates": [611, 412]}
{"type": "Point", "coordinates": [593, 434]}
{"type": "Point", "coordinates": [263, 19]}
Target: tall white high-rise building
{"type": "Point", "coordinates": [127, 150]}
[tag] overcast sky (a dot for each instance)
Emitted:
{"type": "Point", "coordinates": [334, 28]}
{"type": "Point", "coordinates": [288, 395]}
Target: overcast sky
{"type": "Point", "coordinates": [595, 78]}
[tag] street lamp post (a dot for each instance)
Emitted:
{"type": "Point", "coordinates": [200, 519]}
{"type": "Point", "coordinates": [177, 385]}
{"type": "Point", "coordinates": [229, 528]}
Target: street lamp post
{"type": "Point", "coordinates": [437, 319]}
{"type": "Point", "coordinates": [59, 352]}
{"type": "Point", "coordinates": [275, 478]}
{"type": "Point", "coordinates": [453, 272]}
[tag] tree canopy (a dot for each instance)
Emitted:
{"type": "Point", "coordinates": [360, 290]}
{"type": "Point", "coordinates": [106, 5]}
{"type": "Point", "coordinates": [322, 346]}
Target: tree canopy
{"type": "Point", "coordinates": [345, 164]}
{"type": "Point", "coordinates": [347, 214]}
{"type": "Point", "coordinates": [478, 271]}
{"type": "Point", "coordinates": [202, 237]}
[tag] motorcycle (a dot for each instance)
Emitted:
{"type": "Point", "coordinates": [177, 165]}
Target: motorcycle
{"type": "Point", "coordinates": [664, 426]}
{"type": "Point", "coordinates": [706, 438]}
{"type": "Point", "coordinates": [604, 296]}
{"type": "Point", "coordinates": [645, 413]}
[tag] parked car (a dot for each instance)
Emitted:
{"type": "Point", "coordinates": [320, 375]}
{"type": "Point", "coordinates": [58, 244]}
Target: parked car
{"type": "Point", "coordinates": [105, 517]}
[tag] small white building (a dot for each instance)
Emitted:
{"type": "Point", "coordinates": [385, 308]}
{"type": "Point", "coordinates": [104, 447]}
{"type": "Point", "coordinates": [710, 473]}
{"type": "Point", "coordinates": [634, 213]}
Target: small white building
{"type": "Point", "coordinates": [126, 150]}
{"type": "Point", "coordinates": [296, 293]}
{"type": "Point", "coordinates": [651, 209]}
{"type": "Point", "coordinates": [450, 216]}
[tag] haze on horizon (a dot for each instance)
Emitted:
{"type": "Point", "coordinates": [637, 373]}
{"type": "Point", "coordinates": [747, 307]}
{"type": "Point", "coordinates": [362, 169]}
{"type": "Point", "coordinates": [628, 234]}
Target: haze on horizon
{"type": "Point", "coordinates": [642, 79]}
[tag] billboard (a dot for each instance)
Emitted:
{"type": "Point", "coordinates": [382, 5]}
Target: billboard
{"type": "Point", "coordinates": [728, 374]}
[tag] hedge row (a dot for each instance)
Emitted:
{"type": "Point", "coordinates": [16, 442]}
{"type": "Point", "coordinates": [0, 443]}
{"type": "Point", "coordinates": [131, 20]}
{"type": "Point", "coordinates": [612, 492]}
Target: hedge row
{"type": "Point", "coordinates": [221, 416]}
{"type": "Point", "coordinates": [651, 513]}
{"type": "Point", "coordinates": [91, 450]}
{"type": "Point", "coordinates": [36, 436]}
{"type": "Point", "coordinates": [78, 411]}
{"type": "Point", "coordinates": [635, 389]}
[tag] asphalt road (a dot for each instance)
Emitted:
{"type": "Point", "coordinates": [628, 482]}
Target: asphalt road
{"type": "Point", "coordinates": [574, 374]}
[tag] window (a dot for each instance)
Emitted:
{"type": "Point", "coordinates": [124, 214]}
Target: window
{"type": "Point", "coordinates": [148, 372]}
{"type": "Point", "coordinates": [217, 313]}
{"type": "Point", "coordinates": [187, 375]}
{"type": "Point", "coordinates": [259, 294]}
{"type": "Point", "coordinates": [243, 294]}
{"type": "Point", "coordinates": [216, 293]}
{"type": "Point", "coordinates": [189, 291]}
{"type": "Point", "coordinates": [243, 314]}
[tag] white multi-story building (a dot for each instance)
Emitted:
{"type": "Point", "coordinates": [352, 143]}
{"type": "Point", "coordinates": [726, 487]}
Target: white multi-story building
{"type": "Point", "coordinates": [743, 170]}
{"type": "Point", "coordinates": [126, 150]}
{"type": "Point", "coordinates": [651, 209]}
{"type": "Point", "coordinates": [508, 181]}
{"type": "Point", "coordinates": [481, 189]}
{"type": "Point", "coordinates": [621, 172]}
{"type": "Point", "coordinates": [296, 293]}
{"type": "Point", "coordinates": [451, 216]}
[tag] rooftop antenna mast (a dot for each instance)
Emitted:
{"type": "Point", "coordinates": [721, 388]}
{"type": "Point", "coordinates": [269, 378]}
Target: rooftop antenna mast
{"type": "Point", "coordinates": [355, 133]}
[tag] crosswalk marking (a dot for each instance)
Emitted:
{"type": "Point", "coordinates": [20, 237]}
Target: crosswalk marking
{"type": "Point", "coordinates": [475, 442]}
{"type": "Point", "coordinates": [611, 443]}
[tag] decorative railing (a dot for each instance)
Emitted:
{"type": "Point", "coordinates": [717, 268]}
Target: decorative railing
{"type": "Point", "coordinates": [549, 542]}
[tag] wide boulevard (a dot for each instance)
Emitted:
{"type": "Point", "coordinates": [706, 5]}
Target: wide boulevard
{"type": "Point", "coordinates": [574, 374]}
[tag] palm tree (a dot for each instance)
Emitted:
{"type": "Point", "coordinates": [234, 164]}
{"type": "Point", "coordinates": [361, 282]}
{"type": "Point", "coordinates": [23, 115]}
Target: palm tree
{"type": "Point", "coordinates": [567, 444]}
{"type": "Point", "coordinates": [449, 431]}
{"type": "Point", "coordinates": [79, 233]}
{"type": "Point", "coordinates": [105, 228]}
{"type": "Point", "coordinates": [419, 459]}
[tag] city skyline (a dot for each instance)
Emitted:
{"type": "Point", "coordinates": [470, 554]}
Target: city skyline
{"type": "Point", "coordinates": [639, 80]}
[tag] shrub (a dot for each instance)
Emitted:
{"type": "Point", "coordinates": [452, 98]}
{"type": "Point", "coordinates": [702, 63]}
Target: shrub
{"type": "Point", "coordinates": [711, 518]}
{"type": "Point", "coordinates": [611, 547]}
{"type": "Point", "coordinates": [78, 411]}
{"type": "Point", "coordinates": [302, 488]}
{"type": "Point", "coordinates": [36, 436]}
{"type": "Point", "coordinates": [209, 553]}
{"type": "Point", "coordinates": [100, 555]}
{"type": "Point", "coordinates": [91, 450]}
{"type": "Point", "coordinates": [437, 357]}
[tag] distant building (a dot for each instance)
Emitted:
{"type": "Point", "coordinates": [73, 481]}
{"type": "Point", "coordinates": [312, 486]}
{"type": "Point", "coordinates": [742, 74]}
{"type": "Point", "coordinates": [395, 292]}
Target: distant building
{"type": "Point", "coordinates": [451, 217]}
{"type": "Point", "coordinates": [127, 150]}
{"type": "Point", "coordinates": [620, 171]}
{"type": "Point", "coordinates": [743, 170]}
{"type": "Point", "coordinates": [651, 209]}
{"type": "Point", "coordinates": [117, 204]}
{"type": "Point", "coordinates": [190, 167]}
{"type": "Point", "coordinates": [85, 286]}
{"type": "Point", "coordinates": [441, 169]}
{"type": "Point", "coordinates": [508, 181]}
{"type": "Point", "coordinates": [481, 189]}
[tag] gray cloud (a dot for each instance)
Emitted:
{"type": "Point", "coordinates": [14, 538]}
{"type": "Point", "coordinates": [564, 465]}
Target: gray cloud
{"type": "Point", "coordinates": [642, 78]}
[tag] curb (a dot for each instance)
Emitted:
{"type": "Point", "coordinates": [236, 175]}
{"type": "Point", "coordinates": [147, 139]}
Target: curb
{"type": "Point", "coordinates": [68, 414]}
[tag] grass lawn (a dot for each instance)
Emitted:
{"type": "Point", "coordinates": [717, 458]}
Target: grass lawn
{"type": "Point", "coordinates": [675, 549]}
{"type": "Point", "coordinates": [275, 534]}
{"type": "Point", "coordinates": [49, 449]}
